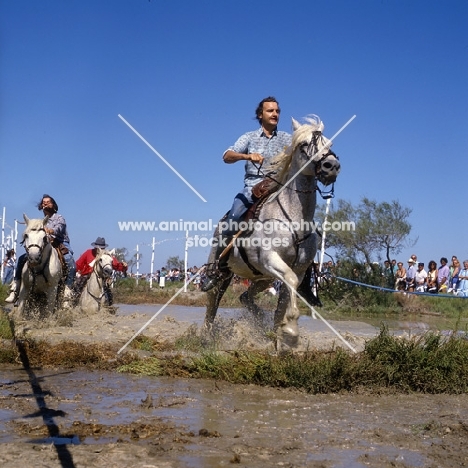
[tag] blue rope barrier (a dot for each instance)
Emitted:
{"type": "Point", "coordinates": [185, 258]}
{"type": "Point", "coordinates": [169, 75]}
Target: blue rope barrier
{"type": "Point", "coordinates": [381, 288]}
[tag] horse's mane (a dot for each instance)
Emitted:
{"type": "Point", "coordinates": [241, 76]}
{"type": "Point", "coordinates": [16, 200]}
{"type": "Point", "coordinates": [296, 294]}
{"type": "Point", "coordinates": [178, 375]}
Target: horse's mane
{"type": "Point", "coordinates": [279, 164]}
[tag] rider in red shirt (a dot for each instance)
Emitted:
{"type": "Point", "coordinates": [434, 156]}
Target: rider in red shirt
{"type": "Point", "coordinates": [84, 268]}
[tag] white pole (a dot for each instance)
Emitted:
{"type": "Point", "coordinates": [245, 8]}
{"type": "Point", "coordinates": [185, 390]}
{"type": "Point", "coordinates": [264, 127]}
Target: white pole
{"type": "Point", "coordinates": [185, 261]}
{"type": "Point", "coordinates": [15, 242]}
{"type": "Point", "coordinates": [152, 264]}
{"type": "Point", "coordinates": [3, 242]}
{"type": "Point", "coordinates": [138, 263]}
{"type": "Point", "coordinates": [322, 248]}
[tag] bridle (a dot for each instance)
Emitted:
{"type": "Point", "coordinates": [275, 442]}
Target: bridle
{"type": "Point", "coordinates": [309, 150]}
{"type": "Point", "coordinates": [33, 268]}
{"type": "Point", "coordinates": [98, 271]}
{"type": "Point", "coordinates": [40, 247]}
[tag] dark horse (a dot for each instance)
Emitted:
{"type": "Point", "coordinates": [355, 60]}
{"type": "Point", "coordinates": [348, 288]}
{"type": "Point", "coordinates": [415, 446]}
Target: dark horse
{"type": "Point", "coordinates": [282, 243]}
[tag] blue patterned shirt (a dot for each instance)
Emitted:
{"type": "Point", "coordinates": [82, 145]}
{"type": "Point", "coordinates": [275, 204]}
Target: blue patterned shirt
{"type": "Point", "coordinates": [258, 142]}
{"type": "Point", "coordinates": [58, 224]}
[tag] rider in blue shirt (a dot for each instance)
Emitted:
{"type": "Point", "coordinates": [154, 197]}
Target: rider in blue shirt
{"type": "Point", "coordinates": [56, 227]}
{"type": "Point", "coordinates": [254, 148]}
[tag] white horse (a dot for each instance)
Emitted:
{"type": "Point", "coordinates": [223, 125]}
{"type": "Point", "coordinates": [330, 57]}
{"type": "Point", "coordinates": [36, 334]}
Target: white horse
{"type": "Point", "coordinates": [41, 273]}
{"type": "Point", "coordinates": [93, 296]}
{"type": "Point", "coordinates": [283, 243]}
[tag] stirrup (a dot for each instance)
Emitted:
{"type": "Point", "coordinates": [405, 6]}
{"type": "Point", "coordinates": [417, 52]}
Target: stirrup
{"type": "Point", "coordinates": [214, 275]}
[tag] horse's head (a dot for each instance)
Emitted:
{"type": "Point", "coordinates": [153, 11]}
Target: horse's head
{"type": "Point", "coordinates": [103, 263]}
{"type": "Point", "coordinates": [35, 239]}
{"type": "Point", "coordinates": [317, 157]}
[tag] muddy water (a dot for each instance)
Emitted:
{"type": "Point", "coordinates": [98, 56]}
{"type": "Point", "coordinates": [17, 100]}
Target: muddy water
{"type": "Point", "coordinates": [58, 418]}
{"type": "Point", "coordinates": [200, 423]}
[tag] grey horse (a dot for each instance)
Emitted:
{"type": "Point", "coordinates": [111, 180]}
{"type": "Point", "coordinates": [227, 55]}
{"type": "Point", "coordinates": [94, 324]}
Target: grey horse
{"type": "Point", "coordinates": [93, 296]}
{"type": "Point", "coordinates": [279, 241]}
{"type": "Point", "coordinates": [41, 275]}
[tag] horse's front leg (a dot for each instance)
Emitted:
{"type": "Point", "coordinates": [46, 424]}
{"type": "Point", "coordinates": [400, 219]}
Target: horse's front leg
{"type": "Point", "coordinates": [287, 313]}
{"type": "Point", "coordinates": [51, 300]}
{"type": "Point", "coordinates": [248, 297]}
{"type": "Point", "coordinates": [214, 297]}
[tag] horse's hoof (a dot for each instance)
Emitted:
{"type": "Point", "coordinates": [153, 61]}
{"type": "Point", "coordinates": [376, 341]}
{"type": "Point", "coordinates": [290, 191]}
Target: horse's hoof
{"type": "Point", "coordinates": [244, 299]}
{"type": "Point", "coordinates": [286, 344]}
{"type": "Point", "coordinates": [291, 330]}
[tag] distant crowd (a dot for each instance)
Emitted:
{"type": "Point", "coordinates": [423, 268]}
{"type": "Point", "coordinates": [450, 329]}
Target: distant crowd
{"type": "Point", "coordinates": [164, 275]}
{"type": "Point", "coordinates": [436, 279]}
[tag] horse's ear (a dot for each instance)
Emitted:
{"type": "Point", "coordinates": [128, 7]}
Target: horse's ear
{"type": "Point", "coordinates": [295, 124]}
{"type": "Point", "coordinates": [44, 221]}
{"type": "Point", "coordinates": [26, 219]}
{"type": "Point", "coordinates": [112, 252]}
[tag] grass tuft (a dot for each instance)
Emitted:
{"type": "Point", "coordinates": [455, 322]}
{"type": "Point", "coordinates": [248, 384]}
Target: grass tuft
{"type": "Point", "coordinates": [6, 326]}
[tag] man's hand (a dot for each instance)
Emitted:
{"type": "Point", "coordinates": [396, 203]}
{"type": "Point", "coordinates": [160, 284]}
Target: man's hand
{"type": "Point", "coordinates": [256, 158]}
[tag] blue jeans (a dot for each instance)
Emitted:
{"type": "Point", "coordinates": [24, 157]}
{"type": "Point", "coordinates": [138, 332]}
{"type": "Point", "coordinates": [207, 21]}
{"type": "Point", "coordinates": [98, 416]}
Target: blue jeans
{"type": "Point", "coordinates": [70, 261]}
{"type": "Point", "coordinates": [242, 202]}
{"type": "Point", "coordinates": [8, 275]}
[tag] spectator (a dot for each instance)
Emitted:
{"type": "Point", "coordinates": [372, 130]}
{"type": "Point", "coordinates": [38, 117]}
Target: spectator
{"type": "Point", "coordinates": [410, 275]}
{"type": "Point", "coordinates": [432, 277]}
{"type": "Point", "coordinates": [420, 278]}
{"type": "Point", "coordinates": [454, 272]}
{"type": "Point", "coordinates": [462, 289]}
{"type": "Point", "coordinates": [442, 276]}
{"type": "Point", "coordinates": [162, 277]}
{"type": "Point", "coordinates": [400, 277]}
{"type": "Point", "coordinates": [8, 266]}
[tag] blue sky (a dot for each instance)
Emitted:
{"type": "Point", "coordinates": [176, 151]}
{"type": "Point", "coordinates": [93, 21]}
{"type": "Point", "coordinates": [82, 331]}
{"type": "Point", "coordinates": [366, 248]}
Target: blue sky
{"type": "Point", "coordinates": [188, 75]}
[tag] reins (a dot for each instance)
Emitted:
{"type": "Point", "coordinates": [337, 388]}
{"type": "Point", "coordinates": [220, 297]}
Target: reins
{"type": "Point", "coordinates": [32, 269]}
{"type": "Point", "coordinates": [100, 282]}
{"type": "Point", "coordinates": [312, 144]}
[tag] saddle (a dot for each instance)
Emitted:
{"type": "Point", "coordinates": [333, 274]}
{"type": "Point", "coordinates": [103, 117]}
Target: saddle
{"type": "Point", "coordinates": [62, 250]}
{"type": "Point", "coordinates": [260, 192]}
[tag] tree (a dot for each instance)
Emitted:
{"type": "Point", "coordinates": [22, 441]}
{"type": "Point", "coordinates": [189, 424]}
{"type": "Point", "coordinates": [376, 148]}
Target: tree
{"type": "Point", "coordinates": [380, 229]}
{"type": "Point", "coordinates": [175, 262]}
{"type": "Point", "coordinates": [122, 255]}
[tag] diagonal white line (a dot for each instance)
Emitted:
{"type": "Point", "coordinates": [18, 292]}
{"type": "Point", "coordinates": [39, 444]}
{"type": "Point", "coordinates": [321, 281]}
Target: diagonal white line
{"type": "Point", "coordinates": [305, 165]}
{"type": "Point", "coordinates": [161, 157]}
{"type": "Point", "coordinates": [336, 332]}
{"type": "Point", "coordinates": [200, 271]}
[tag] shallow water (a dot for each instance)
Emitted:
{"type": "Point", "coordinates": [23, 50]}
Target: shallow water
{"type": "Point", "coordinates": [200, 423]}
{"type": "Point", "coordinates": [266, 427]}
{"type": "Point", "coordinates": [360, 325]}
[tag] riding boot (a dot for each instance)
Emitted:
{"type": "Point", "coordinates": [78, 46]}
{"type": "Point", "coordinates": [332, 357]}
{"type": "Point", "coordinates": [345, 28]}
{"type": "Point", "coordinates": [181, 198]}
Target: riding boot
{"type": "Point", "coordinates": [108, 294]}
{"type": "Point", "coordinates": [305, 289]}
{"type": "Point", "coordinates": [14, 291]}
{"type": "Point", "coordinates": [222, 270]}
